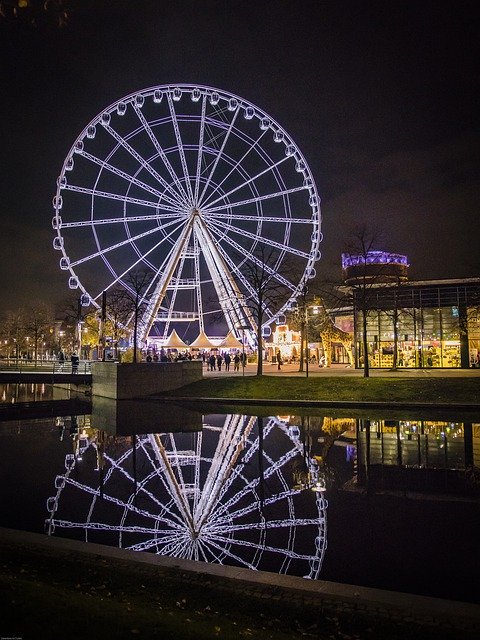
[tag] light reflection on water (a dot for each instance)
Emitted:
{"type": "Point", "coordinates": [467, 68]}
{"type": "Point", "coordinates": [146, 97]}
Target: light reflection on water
{"type": "Point", "coordinates": [258, 491]}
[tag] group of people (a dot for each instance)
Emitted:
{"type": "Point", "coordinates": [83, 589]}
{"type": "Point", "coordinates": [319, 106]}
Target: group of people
{"type": "Point", "coordinates": [216, 361]}
{"type": "Point", "coordinates": [74, 359]}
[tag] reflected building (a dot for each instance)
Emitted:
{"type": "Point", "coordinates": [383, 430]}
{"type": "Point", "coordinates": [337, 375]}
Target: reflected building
{"type": "Point", "coordinates": [419, 455]}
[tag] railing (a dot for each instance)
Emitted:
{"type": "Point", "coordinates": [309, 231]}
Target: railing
{"type": "Point", "coordinates": [44, 366]}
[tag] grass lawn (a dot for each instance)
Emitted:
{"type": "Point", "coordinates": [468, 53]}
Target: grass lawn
{"type": "Point", "coordinates": [392, 390]}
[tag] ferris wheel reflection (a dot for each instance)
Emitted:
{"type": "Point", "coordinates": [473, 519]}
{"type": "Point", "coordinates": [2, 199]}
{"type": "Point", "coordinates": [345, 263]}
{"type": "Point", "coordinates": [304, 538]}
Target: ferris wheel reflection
{"type": "Point", "coordinates": [243, 490]}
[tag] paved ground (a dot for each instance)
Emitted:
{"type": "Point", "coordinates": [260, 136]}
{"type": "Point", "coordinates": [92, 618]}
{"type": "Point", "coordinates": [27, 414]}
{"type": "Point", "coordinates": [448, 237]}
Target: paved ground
{"type": "Point", "coordinates": [342, 370]}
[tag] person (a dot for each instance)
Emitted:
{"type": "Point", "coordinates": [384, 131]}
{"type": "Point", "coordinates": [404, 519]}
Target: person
{"type": "Point", "coordinates": [211, 361]}
{"type": "Point", "coordinates": [279, 360]}
{"type": "Point", "coordinates": [219, 362]}
{"type": "Point", "coordinates": [236, 362]}
{"type": "Point", "coordinates": [149, 358]}
{"type": "Point", "coordinates": [75, 362]}
{"type": "Point", "coordinates": [478, 360]}
{"type": "Point", "coordinates": [228, 360]}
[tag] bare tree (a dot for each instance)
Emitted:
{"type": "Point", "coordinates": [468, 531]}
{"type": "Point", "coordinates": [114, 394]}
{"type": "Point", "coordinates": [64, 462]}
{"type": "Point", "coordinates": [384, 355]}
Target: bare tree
{"type": "Point", "coordinates": [267, 290]}
{"type": "Point", "coordinates": [13, 330]}
{"type": "Point", "coordinates": [134, 301]}
{"type": "Point", "coordinates": [367, 275]}
{"type": "Point", "coordinates": [118, 309]}
{"type": "Point", "coordinates": [38, 319]}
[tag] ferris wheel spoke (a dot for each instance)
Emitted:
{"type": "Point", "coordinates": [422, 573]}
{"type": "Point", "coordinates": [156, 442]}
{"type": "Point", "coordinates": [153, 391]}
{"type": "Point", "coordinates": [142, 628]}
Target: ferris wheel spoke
{"type": "Point", "coordinates": [233, 556]}
{"type": "Point", "coordinates": [233, 267]}
{"type": "Point", "coordinates": [161, 153]}
{"type": "Point", "coordinates": [263, 547]}
{"type": "Point", "coordinates": [124, 220]}
{"type": "Point", "coordinates": [143, 163]}
{"type": "Point", "coordinates": [129, 178]}
{"type": "Point", "coordinates": [247, 182]}
{"type": "Point", "coordinates": [134, 264]}
{"type": "Point", "coordinates": [219, 155]}
{"type": "Point", "coordinates": [243, 252]}
{"type": "Point", "coordinates": [122, 243]}
{"type": "Point", "coordinates": [163, 539]}
{"type": "Point", "coordinates": [258, 219]}
{"type": "Point", "coordinates": [200, 149]}
{"type": "Point", "coordinates": [181, 150]}
{"type": "Point", "coordinates": [268, 196]}
{"type": "Point", "coordinates": [238, 164]}
{"type": "Point", "coordinates": [259, 238]}
{"type": "Point", "coordinates": [121, 198]}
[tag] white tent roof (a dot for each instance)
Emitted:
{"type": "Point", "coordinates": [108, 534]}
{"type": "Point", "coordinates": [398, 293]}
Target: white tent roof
{"type": "Point", "coordinates": [174, 342]}
{"type": "Point", "coordinates": [230, 342]}
{"type": "Point", "coordinates": [202, 341]}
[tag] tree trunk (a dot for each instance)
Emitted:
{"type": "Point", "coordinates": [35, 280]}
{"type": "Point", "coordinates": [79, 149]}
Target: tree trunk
{"type": "Point", "coordinates": [302, 341]}
{"type": "Point", "coordinates": [366, 364]}
{"type": "Point", "coordinates": [259, 350]}
{"type": "Point", "coordinates": [395, 340]}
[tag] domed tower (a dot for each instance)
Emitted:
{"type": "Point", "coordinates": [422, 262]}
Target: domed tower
{"type": "Point", "coordinates": [375, 266]}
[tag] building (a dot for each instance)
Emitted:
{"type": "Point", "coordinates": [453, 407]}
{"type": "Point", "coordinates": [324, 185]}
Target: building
{"type": "Point", "coordinates": [437, 323]}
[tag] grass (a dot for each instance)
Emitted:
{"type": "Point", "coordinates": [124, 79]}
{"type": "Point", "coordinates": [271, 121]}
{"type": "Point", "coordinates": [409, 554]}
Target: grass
{"type": "Point", "coordinates": [336, 389]}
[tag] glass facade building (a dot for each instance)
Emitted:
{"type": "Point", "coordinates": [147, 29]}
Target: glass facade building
{"type": "Point", "coordinates": [437, 324]}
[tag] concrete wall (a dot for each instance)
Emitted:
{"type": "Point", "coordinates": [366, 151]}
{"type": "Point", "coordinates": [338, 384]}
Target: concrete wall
{"type": "Point", "coordinates": [137, 380]}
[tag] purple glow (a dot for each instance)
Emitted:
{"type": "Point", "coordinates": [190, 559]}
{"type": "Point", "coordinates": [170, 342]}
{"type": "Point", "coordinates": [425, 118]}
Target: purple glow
{"type": "Point", "coordinates": [373, 257]}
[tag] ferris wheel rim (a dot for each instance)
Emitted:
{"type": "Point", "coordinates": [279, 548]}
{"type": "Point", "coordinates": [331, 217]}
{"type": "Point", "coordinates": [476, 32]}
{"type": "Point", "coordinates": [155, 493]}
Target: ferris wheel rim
{"type": "Point", "coordinates": [213, 208]}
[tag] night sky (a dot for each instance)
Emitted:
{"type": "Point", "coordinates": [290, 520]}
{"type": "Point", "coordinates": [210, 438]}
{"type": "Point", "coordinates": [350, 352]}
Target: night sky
{"type": "Point", "coordinates": [381, 97]}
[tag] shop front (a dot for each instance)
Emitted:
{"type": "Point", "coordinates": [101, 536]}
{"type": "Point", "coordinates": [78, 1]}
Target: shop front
{"type": "Point", "coordinates": [430, 327]}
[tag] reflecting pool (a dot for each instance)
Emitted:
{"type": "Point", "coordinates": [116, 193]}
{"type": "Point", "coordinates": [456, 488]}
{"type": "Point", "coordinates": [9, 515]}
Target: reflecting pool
{"type": "Point", "coordinates": [386, 501]}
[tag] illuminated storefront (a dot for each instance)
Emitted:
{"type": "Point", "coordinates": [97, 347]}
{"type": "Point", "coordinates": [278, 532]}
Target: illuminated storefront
{"type": "Point", "coordinates": [437, 324]}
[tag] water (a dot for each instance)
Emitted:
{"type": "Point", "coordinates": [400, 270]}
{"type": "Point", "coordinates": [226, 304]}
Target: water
{"type": "Point", "coordinates": [385, 501]}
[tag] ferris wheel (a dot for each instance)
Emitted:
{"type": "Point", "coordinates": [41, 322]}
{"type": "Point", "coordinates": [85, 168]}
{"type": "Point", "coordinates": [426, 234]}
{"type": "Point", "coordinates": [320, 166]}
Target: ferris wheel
{"type": "Point", "coordinates": [195, 186]}
{"type": "Point", "coordinates": [223, 495]}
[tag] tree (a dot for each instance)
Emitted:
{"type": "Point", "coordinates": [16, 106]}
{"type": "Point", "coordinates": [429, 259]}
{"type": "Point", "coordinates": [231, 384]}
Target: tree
{"type": "Point", "coordinates": [268, 289]}
{"type": "Point", "coordinates": [361, 246]}
{"type": "Point", "coordinates": [118, 308]}
{"type": "Point", "coordinates": [13, 330]}
{"type": "Point", "coordinates": [38, 319]}
{"type": "Point", "coordinates": [134, 302]}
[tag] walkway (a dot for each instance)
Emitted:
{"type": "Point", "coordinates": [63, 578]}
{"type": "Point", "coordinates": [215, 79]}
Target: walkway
{"type": "Point", "coordinates": [315, 371]}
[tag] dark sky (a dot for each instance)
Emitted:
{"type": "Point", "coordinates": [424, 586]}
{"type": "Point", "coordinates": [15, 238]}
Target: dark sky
{"type": "Point", "coordinates": [381, 97]}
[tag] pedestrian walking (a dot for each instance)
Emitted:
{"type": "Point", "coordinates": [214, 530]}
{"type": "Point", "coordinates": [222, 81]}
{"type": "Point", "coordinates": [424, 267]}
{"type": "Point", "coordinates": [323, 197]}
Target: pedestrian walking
{"type": "Point", "coordinates": [219, 362]}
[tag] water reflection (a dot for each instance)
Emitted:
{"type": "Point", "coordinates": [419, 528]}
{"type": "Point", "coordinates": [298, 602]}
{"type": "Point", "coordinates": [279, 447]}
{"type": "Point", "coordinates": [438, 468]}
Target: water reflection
{"type": "Point", "coordinates": [250, 490]}
{"type": "Point", "coordinates": [227, 494]}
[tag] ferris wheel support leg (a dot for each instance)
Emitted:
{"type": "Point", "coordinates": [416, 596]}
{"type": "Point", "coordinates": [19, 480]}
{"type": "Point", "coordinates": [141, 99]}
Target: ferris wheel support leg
{"type": "Point", "coordinates": [157, 297]}
{"type": "Point", "coordinates": [231, 299]}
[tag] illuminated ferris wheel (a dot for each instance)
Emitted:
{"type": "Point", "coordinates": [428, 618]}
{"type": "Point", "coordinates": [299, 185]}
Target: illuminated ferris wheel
{"type": "Point", "coordinates": [222, 495]}
{"type": "Point", "coordinates": [194, 185]}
